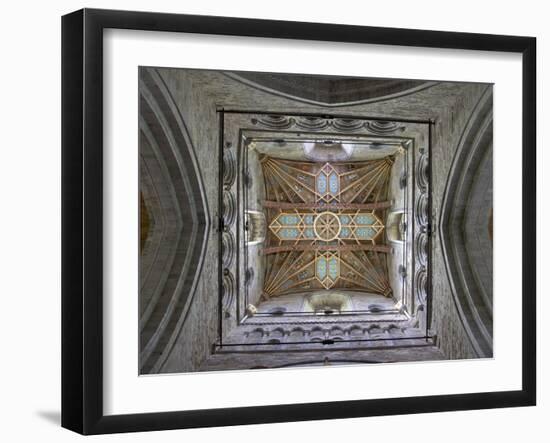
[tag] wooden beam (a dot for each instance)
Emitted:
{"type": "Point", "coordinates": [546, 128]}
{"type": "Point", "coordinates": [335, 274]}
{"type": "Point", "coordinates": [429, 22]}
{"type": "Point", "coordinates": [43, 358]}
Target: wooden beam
{"type": "Point", "coordinates": [327, 206]}
{"type": "Point", "coordinates": [288, 248]}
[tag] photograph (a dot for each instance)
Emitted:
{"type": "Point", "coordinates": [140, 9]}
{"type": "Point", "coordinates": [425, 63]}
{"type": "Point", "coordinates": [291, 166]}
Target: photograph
{"type": "Point", "coordinates": [293, 220]}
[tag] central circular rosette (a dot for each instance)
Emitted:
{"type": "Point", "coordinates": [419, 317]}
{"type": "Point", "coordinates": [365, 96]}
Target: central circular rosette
{"type": "Point", "coordinates": [327, 226]}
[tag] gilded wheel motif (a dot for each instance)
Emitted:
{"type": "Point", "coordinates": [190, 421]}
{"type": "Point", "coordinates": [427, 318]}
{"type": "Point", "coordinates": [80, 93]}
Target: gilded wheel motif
{"type": "Point", "coordinates": [327, 226]}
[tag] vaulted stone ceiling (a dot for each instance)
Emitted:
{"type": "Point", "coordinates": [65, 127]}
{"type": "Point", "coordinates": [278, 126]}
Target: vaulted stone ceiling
{"type": "Point", "coordinates": [326, 225]}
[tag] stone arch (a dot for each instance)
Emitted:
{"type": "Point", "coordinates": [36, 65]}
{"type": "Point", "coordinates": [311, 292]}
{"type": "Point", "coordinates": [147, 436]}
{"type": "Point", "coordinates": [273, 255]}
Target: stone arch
{"type": "Point", "coordinates": [176, 200]}
{"type": "Point", "coordinates": [464, 227]}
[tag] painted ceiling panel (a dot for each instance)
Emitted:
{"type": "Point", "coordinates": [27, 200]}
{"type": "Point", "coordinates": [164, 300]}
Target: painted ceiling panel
{"type": "Point", "coordinates": [332, 237]}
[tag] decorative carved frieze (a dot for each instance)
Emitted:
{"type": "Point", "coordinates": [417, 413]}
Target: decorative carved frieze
{"type": "Point", "coordinates": [229, 167]}
{"type": "Point", "coordinates": [228, 291]}
{"type": "Point", "coordinates": [421, 235]}
{"type": "Point", "coordinates": [294, 333]}
{"type": "Point", "coordinates": [422, 172]}
{"type": "Point", "coordinates": [228, 248]}
{"type": "Point", "coordinates": [421, 284]}
{"type": "Point", "coordinates": [274, 121]}
{"type": "Point", "coordinates": [347, 125]}
{"type": "Point", "coordinates": [421, 209]}
{"type": "Point", "coordinates": [229, 208]}
{"type": "Point", "coordinates": [383, 127]}
{"type": "Point", "coordinates": [379, 127]}
{"type": "Point", "coordinates": [312, 123]}
{"type": "Point", "coordinates": [421, 247]}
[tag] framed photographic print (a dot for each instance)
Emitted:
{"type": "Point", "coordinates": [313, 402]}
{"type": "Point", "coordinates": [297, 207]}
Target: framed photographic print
{"type": "Point", "coordinates": [271, 221]}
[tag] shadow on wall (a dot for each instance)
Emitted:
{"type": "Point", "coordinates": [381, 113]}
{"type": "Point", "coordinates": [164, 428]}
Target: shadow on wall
{"type": "Point", "coordinates": [53, 417]}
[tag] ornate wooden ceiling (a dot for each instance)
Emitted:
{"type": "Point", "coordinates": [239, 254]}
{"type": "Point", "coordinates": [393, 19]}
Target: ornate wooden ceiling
{"type": "Point", "coordinates": [326, 225]}
{"type": "Point", "coordinates": [296, 228]}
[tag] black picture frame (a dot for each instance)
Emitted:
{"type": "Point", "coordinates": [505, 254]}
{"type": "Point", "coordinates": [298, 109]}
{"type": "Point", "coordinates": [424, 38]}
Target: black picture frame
{"type": "Point", "coordinates": [82, 218]}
